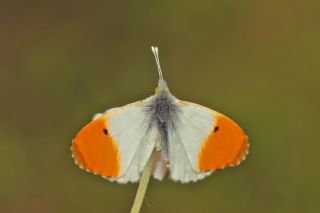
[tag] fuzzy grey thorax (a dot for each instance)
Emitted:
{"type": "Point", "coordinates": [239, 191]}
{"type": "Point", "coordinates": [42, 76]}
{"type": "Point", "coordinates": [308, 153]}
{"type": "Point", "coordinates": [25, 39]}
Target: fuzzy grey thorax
{"type": "Point", "coordinates": [162, 114]}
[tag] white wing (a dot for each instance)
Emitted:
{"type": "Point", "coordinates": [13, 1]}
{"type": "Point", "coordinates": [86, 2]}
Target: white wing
{"type": "Point", "coordinates": [135, 141]}
{"type": "Point", "coordinates": [186, 139]}
{"type": "Point", "coordinates": [202, 142]}
{"type": "Point", "coordinates": [127, 128]}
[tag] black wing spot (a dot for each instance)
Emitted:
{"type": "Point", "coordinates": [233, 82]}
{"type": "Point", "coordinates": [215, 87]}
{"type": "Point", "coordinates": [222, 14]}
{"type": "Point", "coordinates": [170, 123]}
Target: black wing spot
{"type": "Point", "coordinates": [105, 131]}
{"type": "Point", "coordinates": [216, 129]}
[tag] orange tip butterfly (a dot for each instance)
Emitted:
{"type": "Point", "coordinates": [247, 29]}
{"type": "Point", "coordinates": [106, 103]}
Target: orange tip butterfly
{"type": "Point", "coordinates": [191, 141]}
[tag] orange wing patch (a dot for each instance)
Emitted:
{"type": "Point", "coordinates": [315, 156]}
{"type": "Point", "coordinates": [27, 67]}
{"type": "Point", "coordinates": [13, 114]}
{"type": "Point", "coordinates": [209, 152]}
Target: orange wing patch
{"type": "Point", "coordinates": [226, 145]}
{"type": "Point", "coordinates": [95, 150]}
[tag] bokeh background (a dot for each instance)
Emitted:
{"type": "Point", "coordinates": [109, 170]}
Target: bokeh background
{"type": "Point", "coordinates": [255, 61]}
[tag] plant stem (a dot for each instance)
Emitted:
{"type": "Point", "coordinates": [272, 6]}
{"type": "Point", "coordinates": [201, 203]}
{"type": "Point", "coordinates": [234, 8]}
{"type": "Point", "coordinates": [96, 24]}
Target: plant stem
{"type": "Point", "coordinates": [144, 180]}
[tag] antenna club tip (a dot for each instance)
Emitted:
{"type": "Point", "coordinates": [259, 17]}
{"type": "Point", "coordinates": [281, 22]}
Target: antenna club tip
{"type": "Point", "coordinates": [154, 49]}
{"type": "Point", "coordinates": [156, 55]}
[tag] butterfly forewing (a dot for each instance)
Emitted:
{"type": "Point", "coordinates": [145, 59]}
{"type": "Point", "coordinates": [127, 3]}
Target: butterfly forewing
{"type": "Point", "coordinates": [203, 141]}
{"type": "Point", "coordinates": [116, 145]}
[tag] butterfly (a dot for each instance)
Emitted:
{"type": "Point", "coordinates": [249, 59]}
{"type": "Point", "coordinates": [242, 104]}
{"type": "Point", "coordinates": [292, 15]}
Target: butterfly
{"type": "Point", "coordinates": [190, 141]}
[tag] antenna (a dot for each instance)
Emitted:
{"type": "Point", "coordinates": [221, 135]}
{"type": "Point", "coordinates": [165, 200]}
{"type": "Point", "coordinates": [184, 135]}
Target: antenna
{"type": "Point", "coordinates": [156, 55]}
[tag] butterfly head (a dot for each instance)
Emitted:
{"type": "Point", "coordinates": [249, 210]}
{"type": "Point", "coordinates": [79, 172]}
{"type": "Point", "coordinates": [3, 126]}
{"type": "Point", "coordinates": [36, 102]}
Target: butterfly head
{"type": "Point", "coordinates": [162, 85]}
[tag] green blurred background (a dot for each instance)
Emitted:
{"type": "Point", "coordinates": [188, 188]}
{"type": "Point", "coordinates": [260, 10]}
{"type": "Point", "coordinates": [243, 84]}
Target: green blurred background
{"type": "Point", "coordinates": [255, 61]}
